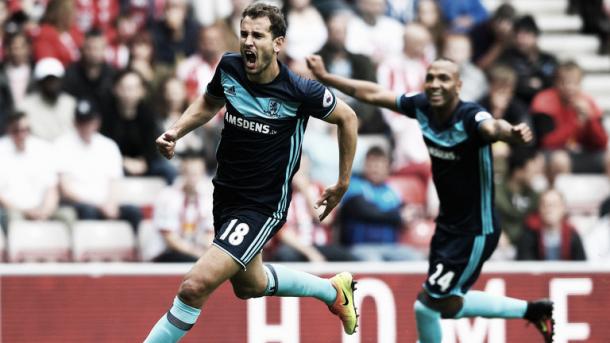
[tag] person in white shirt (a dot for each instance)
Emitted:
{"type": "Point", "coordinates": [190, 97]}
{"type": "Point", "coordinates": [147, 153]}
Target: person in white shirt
{"type": "Point", "coordinates": [90, 166]}
{"type": "Point", "coordinates": [50, 110]}
{"type": "Point", "coordinates": [373, 34]}
{"type": "Point", "coordinates": [197, 70]}
{"type": "Point", "coordinates": [183, 215]}
{"type": "Point", "coordinates": [28, 178]}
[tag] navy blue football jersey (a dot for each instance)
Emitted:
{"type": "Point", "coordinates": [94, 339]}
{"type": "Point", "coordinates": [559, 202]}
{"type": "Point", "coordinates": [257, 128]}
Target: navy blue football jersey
{"type": "Point", "coordinates": [462, 167]}
{"type": "Point", "coordinates": [260, 145]}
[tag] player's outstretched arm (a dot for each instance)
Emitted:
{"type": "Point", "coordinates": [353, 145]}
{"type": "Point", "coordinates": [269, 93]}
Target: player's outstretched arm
{"type": "Point", "coordinates": [365, 91]}
{"type": "Point", "coordinates": [347, 123]}
{"type": "Point", "coordinates": [501, 130]}
{"type": "Point", "coordinates": [198, 113]}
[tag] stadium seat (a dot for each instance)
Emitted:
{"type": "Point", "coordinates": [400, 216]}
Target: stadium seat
{"type": "Point", "coordinates": [583, 192]}
{"type": "Point", "coordinates": [103, 240]}
{"type": "Point", "coordinates": [583, 223]}
{"type": "Point", "coordinates": [419, 234]}
{"type": "Point", "coordinates": [139, 191]}
{"type": "Point", "coordinates": [410, 188]}
{"type": "Point", "coordinates": [148, 241]}
{"type": "Point", "coordinates": [31, 241]}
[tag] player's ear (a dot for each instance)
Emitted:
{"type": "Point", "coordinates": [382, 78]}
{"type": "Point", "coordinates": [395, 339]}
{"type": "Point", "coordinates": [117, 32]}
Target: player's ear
{"type": "Point", "coordinates": [278, 42]}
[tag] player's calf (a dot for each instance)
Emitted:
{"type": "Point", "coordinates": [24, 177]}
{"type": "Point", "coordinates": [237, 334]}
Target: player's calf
{"type": "Point", "coordinates": [246, 292]}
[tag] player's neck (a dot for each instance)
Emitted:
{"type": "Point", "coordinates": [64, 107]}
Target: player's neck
{"type": "Point", "coordinates": [443, 114]}
{"type": "Point", "coordinates": [267, 75]}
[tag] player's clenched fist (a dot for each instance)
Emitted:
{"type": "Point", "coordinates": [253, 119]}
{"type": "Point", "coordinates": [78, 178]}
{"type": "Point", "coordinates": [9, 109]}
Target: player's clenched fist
{"type": "Point", "coordinates": [316, 65]}
{"type": "Point", "coordinates": [166, 143]}
{"type": "Point", "coordinates": [522, 133]}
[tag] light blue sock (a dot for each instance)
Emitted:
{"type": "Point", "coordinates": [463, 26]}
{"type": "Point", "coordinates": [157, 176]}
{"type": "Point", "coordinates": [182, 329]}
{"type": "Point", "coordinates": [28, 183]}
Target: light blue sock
{"type": "Point", "coordinates": [287, 282]}
{"type": "Point", "coordinates": [174, 324]}
{"type": "Point", "coordinates": [481, 304]}
{"type": "Point", "coordinates": [428, 323]}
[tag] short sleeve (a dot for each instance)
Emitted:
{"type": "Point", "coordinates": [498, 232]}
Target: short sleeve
{"type": "Point", "coordinates": [319, 101]}
{"type": "Point", "coordinates": [214, 88]}
{"type": "Point", "coordinates": [473, 120]}
{"type": "Point", "coordinates": [408, 103]}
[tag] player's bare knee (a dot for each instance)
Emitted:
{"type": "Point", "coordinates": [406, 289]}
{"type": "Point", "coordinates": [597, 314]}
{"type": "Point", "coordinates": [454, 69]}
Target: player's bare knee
{"type": "Point", "coordinates": [192, 291]}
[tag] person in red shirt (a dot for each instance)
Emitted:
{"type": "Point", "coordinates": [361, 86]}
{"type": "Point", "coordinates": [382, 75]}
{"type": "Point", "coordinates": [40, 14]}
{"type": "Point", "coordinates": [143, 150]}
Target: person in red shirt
{"type": "Point", "coordinates": [58, 37]}
{"type": "Point", "coordinates": [568, 121]}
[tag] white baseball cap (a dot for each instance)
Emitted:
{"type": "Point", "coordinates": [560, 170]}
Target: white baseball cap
{"type": "Point", "coordinates": [48, 66]}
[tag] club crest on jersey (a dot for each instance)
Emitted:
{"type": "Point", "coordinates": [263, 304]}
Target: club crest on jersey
{"type": "Point", "coordinates": [273, 108]}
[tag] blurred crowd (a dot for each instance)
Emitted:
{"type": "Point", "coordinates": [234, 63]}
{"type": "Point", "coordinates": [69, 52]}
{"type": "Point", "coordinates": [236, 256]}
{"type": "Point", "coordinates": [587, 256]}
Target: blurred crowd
{"type": "Point", "coordinates": [87, 86]}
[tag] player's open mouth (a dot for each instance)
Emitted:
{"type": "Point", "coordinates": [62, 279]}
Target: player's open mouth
{"type": "Point", "coordinates": [250, 58]}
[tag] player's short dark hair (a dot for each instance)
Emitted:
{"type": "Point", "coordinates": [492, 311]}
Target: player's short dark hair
{"type": "Point", "coordinates": [376, 151]}
{"type": "Point", "coordinates": [260, 10]}
{"type": "Point", "coordinates": [519, 157]}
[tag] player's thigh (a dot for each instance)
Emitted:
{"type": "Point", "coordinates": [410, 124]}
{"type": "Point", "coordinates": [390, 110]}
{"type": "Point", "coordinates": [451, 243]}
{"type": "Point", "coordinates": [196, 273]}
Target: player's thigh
{"type": "Point", "coordinates": [242, 234]}
{"type": "Point", "coordinates": [455, 262]}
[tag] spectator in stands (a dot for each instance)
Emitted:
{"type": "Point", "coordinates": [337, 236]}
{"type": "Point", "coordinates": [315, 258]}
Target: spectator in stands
{"type": "Point", "coordinates": [306, 33]}
{"type": "Point", "coordinates": [91, 77]}
{"type": "Point", "coordinates": [429, 14]}
{"type": "Point", "coordinates": [142, 60]}
{"type": "Point", "coordinates": [211, 11]}
{"type": "Point", "coordinates": [197, 70]}
{"type": "Point", "coordinates": [371, 214]}
{"type": "Point", "coordinates": [464, 14]}
{"type": "Point", "coordinates": [549, 235]}
{"type": "Point", "coordinates": [4, 18]}
{"type": "Point", "coordinates": [183, 214]}
{"type": "Point", "coordinates": [406, 74]}
{"type": "Point", "coordinates": [404, 11]}
{"type": "Point", "coordinates": [535, 69]}
{"type": "Point", "coordinates": [58, 37]}
{"type": "Point", "coordinates": [501, 100]}
{"type": "Point", "coordinates": [175, 35]}
{"type": "Point", "coordinates": [28, 178]}
{"type": "Point", "coordinates": [458, 49]}
{"type": "Point", "coordinates": [15, 74]}
{"type": "Point", "coordinates": [117, 52]}
{"type": "Point", "coordinates": [90, 167]}
{"type": "Point", "coordinates": [491, 38]}
{"type": "Point", "coordinates": [373, 34]}
{"type": "Point", "coordinates": [49, 109]}
{"type": "Point", "coordinates": [132, 125]}
{"type": "Point", "coordinates": [515, 196]}
{"type": "Point", "coordinates": [567, 119]}
{"type": "Point", "coordinates": [173, 103]}
{"type": "Point", "coordinates": [303, 238]}
{"type": "Point", "coordinates": [97, 14]}
{"type": "Point", "coordinates": [342, 62]}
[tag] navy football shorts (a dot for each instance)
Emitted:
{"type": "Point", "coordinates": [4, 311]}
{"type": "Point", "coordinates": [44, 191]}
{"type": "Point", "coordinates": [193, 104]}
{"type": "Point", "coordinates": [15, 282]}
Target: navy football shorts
{"type": "Point", "coordinates": [243, 233]}
{"type": "Point", "coordinates": [455, 261]}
